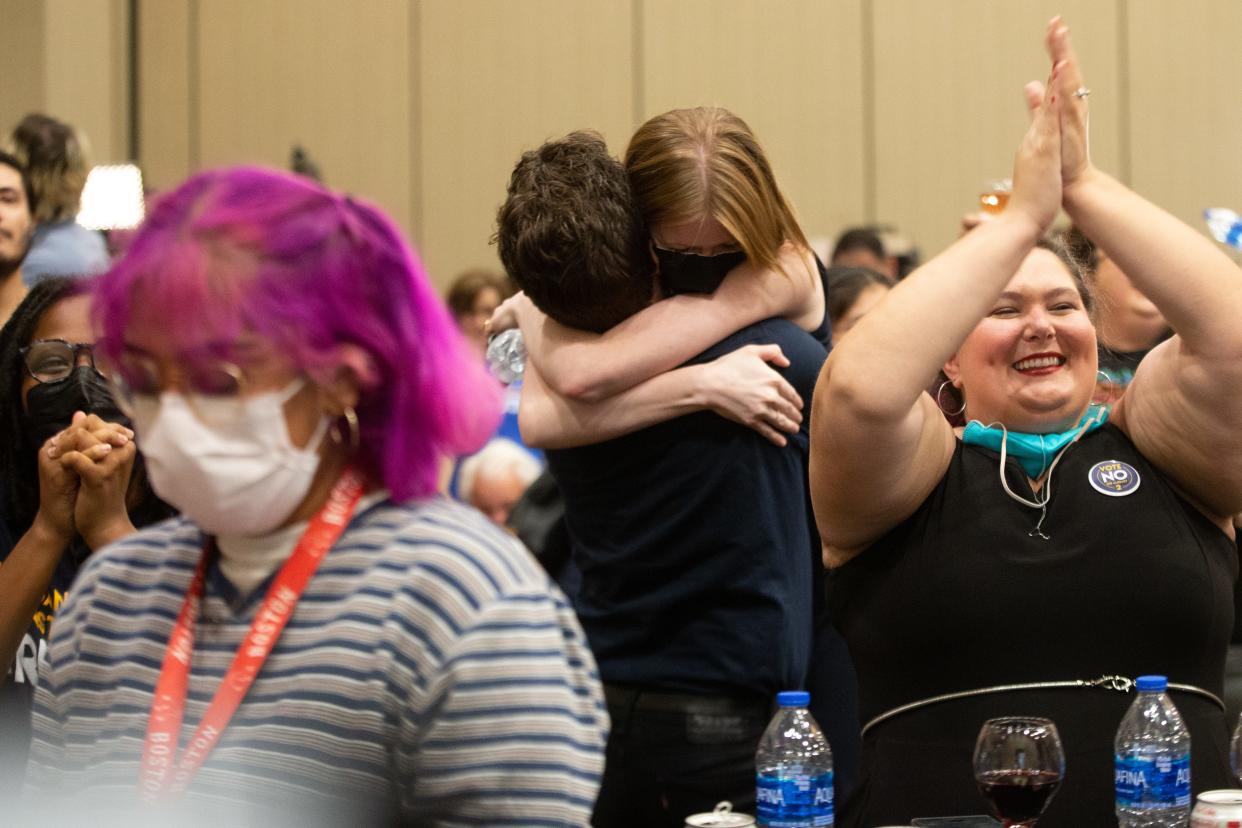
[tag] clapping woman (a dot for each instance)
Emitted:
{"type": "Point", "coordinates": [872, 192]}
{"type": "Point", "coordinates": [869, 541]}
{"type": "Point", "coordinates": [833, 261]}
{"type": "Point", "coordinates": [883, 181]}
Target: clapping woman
{"type": "Point", "coordinates": [1047, 541]}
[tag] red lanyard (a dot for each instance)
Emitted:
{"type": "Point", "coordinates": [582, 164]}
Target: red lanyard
{"type": "Point", "coordinates": [161, 774]}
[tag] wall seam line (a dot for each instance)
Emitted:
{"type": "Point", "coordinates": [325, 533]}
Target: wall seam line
{"type": "Point", "coordinates": [636, 62]}
{"type": "Point", "coordinates": [134, 68]}
{"type": "Point", "coordinates": [415, 76]}
{"type": "Point", "coordinates": [870, 185]}
{"type": "Point", "coordinates": [196, 98]}
{"type": "Point", "coordinates": [1124, 114]}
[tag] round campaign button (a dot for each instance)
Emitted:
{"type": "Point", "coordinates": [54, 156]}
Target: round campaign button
{"type": "Point", "coordinates": [1114, 478]}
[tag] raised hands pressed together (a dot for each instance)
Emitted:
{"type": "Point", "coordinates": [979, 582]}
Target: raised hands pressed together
{"type": "Point", "coordinates": [84, 476]}
{"type": "Point", "coordinates": [939, 535]}
{"type": "Point", "coordinates": [72, 492]}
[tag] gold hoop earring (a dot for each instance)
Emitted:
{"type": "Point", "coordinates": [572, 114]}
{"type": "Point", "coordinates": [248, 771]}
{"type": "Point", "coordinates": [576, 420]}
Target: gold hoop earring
{"type": "Point", "coordinates": [351, 420]}
{"type": "Point", "coordinates": [940, 405]}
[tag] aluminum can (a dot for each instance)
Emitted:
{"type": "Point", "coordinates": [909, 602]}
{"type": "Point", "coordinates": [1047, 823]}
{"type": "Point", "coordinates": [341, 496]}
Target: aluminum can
{"type": "Point", "coordinates": [721, 817]}
{"type": "Point", "coordinates": [1218, 809]}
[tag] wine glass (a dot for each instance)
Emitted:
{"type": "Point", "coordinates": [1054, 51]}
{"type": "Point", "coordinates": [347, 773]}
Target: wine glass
{"type": "Point", "coordinates": [1018, 767]}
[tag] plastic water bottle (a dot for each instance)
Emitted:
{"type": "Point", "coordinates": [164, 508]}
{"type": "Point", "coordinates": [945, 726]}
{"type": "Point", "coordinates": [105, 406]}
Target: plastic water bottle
{"type": "Point", "coordinates": [793, 768]}
{"type": "Point", "coordinates": [506, 355]}
{"type": "Point", "coordinates": [1152, 761]}
{"type": "Point", "coordinates": [1225, 226]}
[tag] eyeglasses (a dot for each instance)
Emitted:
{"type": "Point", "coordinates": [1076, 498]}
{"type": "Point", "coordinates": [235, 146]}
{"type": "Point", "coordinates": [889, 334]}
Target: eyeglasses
{"type": "Point", "coordinates": [52, 360]}
{"type": "Point", "coordinates": [212, 388]}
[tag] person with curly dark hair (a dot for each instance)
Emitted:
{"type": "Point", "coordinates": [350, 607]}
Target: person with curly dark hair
{"type": "Point", "coordinates": [561, 192]}
{"type": "Point", "coordinates": [71, 486]}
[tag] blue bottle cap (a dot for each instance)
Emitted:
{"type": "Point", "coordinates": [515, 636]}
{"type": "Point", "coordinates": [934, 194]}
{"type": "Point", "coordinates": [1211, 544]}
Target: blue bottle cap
{"type": "Point", "coordinates": [1153, 683]}
{"type": "Point", "coordinates": [793, 698]}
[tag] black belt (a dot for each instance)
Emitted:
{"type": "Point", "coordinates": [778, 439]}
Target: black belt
{"type": "Point", "coordinates": [628, 697]}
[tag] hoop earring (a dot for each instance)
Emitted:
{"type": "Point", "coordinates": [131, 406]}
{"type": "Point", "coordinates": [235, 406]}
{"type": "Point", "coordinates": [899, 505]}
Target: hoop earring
{"type": "Point", "coordinates": [1106, 389]}
{"type": "Point", "coordinates": [351, 420]}
{"type": "Point", "coordinates": [940, 405]}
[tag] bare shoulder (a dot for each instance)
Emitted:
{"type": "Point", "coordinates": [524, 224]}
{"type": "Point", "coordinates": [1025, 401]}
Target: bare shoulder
{"type": "Point", "coordinates": [864, 482]}
{"type": "Point", "coordinates": [1183, 451]}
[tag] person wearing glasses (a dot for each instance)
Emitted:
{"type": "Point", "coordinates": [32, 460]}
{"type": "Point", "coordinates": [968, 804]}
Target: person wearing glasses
{"type": "Point", "coordinates": [319, 638]}
{"type": "Point", "coordinates": [72, 483]}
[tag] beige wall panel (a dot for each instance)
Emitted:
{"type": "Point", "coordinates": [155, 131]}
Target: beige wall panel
{"type": "Point", "coordinates": [1185, 113]}
{"type": "Point", "coordinates": [331, 76]}
{"type": "Point", "coordinates": [85, 54]}
{"type": "Point", "coordinates": [21, 60]}
{"type": "Point", "coordinates": [498, 78]}
{"type": "Point", "coordinates": [792, 69]}
{"type": "Point", "coordinates": [949, 106]}
{"type": "Point", "coordinates": [166, 99]}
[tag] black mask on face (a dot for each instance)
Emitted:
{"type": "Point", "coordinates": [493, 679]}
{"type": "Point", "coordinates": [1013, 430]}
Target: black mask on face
{"type": "Point", "coordinates": [50, 405]}
{"type": "Point", "coordinates": [692, 273]}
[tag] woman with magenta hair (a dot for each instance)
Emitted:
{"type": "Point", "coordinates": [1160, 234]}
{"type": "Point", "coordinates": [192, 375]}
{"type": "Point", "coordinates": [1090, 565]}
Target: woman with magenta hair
{"type": "Point", "coordinates": [318, 635]}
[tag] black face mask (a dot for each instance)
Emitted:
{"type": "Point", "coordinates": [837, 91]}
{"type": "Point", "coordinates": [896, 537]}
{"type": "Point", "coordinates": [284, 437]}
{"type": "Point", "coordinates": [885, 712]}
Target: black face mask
{"type": "Point", "coordinates": [50, 405]}
{"type": "Point", "coordinates": [692, 273]}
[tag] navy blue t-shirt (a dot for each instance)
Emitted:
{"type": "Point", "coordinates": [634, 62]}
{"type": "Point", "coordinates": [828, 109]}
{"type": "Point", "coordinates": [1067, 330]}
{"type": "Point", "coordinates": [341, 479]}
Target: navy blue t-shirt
{"type": "Point", "coordinates": [21, 677]}
{"type": "Point", "coordinates": [695, 543]}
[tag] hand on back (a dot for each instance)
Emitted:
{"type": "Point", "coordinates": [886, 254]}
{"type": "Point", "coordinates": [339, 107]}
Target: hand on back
{"type": "Point", "coordinates": [749, 392]}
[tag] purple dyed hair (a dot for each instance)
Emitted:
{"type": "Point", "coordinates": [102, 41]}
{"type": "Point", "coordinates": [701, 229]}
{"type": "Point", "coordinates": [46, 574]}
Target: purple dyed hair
{"type": "Point", "coordinates": [249, 249]}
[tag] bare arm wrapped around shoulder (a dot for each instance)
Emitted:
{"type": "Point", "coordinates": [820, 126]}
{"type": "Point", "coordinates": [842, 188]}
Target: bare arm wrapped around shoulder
{"type": "Point", "coordinates": [739, 386]}
{"type": "Point", "coordinates": [590, 367]}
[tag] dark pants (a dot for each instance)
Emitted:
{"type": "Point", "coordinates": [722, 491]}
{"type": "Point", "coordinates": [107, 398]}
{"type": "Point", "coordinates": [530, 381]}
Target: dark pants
{"type": "Point", "coordinates": [834, 704]}
{"type": "Point", "coordinates": [672, 754]}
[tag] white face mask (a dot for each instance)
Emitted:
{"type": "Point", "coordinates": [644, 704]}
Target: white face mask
{"type": "Point", "coordinates": [240, 476]}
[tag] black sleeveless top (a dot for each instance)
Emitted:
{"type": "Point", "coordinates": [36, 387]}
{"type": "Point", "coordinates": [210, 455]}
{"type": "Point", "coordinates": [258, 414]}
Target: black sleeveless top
{"type": "Point", "coordinates": [960, 596]}
{"type": "Point", "coordinates": [823, 333]}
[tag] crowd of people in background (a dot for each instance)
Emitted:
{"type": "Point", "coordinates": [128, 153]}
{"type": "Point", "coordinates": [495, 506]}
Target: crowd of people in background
{"type": "Point", "coordinates": [276, 548]}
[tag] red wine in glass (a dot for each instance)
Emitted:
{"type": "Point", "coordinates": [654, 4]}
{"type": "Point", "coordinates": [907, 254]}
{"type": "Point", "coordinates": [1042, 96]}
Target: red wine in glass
{"type": "Point", "coordinates": [1018, 797]}
{"type": "Point", "coordinates": [1018, 767]}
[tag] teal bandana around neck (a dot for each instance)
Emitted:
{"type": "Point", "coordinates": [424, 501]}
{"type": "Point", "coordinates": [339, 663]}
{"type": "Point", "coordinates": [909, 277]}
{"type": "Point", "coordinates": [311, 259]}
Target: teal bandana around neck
{"type": "Point", "coordinates": [1034, 451]}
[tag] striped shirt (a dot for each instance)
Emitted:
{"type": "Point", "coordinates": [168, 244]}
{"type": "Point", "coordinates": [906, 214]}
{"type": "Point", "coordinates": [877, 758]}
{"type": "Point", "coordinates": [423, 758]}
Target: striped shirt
{"type": "Point", "coordinates": [430, 674]}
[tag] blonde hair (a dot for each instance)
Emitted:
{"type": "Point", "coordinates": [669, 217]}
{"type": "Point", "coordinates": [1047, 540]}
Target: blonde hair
{"type": "Point", "coordinates": [691, 164]}
{"type": "Point", "coordinates": [55, 157]}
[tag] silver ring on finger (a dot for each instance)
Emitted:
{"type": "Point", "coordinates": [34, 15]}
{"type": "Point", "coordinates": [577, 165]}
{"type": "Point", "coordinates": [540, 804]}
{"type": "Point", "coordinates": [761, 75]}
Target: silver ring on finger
{"type": "Point", "coordinates": [1082, 92]}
